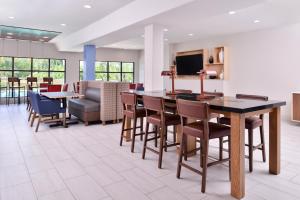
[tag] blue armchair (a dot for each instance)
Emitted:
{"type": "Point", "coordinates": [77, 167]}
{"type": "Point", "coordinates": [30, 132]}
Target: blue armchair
{"type": "Point", "coordinates": [46, 108]}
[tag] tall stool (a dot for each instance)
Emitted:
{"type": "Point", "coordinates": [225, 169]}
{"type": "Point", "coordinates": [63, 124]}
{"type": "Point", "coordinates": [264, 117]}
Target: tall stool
{"type": "Point", "coordinates": [14, 83]}
{"type": "Point", "coordinates": [202, 129]}
{"type": "Point", "coordinates": [252, 123]}
{"type": "Point", "coordinates": [132, 111]}
{"type": "Point", "coordinates": [156, 115]}
{"type": "Point", "coordinates": [48, 80]}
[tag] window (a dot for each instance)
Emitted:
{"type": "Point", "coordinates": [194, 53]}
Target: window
{"type": "Point", "coordinates": [32, 67]}
{"type": "Point", "coordinates": [111, 71]}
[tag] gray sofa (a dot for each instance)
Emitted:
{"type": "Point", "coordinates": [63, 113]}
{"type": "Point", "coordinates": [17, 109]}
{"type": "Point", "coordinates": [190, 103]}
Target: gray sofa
{"type": "Point", "coordinates": [88, 108]}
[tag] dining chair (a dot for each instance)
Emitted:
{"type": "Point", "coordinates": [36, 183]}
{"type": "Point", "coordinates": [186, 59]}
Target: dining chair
{"type": "Point", "coordinates": [65, 87]}
{"type": "Point", "coordinates": [48, 80]}
{"type": "Point", "coordinates": [252, 123]}
{"type": "Point", "coordinates": [32, 81]}
{"type": "Point", "coordinates": [44, 86]}
{"type": "Point", "coordinates": [45, 108]}
{"type": "Point", "coordinates": [156, 115]}
{"type": "Point", "coordinates": [14, 84]}
{"type": "Point", "coordinates": [132, 111]}
{"type": "Point", "coordinates": [54, 88]}
{"type": "Point", "coordinates": [202, 129]}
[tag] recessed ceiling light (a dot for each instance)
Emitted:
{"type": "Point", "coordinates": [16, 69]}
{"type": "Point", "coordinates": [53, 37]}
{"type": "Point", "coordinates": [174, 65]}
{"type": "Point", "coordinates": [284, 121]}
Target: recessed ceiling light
{"type": "Point", "coordinates": [231, 12]}
{"type": "Point", "coordinates": [11, 17]}
{"type": "Point", "coordinates": [45, 37]}
{"type": "Point", "coordinates": [191, 34]}
{"type": "Point", "coordinates": [256, 21]}
{"type": "Point", "coordinates": [87, 6]}
{"type": "Point", "coordinates": [9, 33]}
{"type": "Point", "coordinates": [63, 24]}
{"type": "Point", "coordinates": [143, 36]}
{"type": "Point", "coordinates": [166, 30]}
{"type": "Point", "coordinates": [166, 39]}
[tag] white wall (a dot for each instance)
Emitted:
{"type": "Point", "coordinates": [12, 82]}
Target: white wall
{"type": "Point", "coordinates": [48, 50]}
{"type": "Point", "coordinates": [263, 62]}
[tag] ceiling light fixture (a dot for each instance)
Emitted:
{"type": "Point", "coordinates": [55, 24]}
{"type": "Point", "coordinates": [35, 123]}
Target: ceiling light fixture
{"type": "Point", "coordinates": [45, 37]}
{"type": "Point", "coordinates": [166, 39]}
{"type": "Point", "coordinates": [231, 12]}
{"type": "Point", "coordinates": [256, 21]}
{"type": "Point", "coordinates": [143, 36]}
{"type": "Point", "coordinates": [166, 30]}
{"type": "Point", "coordinates": [191, 34]}
{"type": "Point", "coordinates": [11, 17]}
{"type": "Point", "coordinates": [87, 6]}
{"type": "Point", "coordinates": [63, 24]}
{"type": "Point", "coordinates": [9, 33]}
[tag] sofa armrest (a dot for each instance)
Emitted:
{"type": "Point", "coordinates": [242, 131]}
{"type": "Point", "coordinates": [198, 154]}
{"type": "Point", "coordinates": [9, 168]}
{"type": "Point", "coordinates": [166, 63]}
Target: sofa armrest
{"type": "Point", "coordinates": [108, 101]}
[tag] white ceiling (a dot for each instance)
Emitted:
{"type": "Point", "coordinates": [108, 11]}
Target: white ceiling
{"type": "Point", "coordinates": [49, 14]}
{"type": "Point", "coordinates": [203, 18]}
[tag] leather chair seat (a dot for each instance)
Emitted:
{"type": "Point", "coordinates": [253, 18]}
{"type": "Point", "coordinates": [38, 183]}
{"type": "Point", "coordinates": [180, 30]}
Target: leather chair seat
{"type": "Point", "coordinates": [215, 130]}
{"type": "Point", "coordinates": [140, 112]}
{"type": "Point", "coordinates": [170, 119]}
{"type": "Point", "coordinates": [250, 122]}
{"type": "Point", "coordinates": [84, 105]}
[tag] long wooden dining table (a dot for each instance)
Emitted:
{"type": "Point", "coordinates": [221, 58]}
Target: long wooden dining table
{"type": "Point", "coordinates": [237, 110]}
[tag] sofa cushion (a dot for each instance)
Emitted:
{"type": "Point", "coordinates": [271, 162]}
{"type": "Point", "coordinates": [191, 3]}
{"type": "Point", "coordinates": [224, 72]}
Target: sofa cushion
{"type": "Point", "coordinates": [92, 94]}
{"type": "Point", "coordinates": [84, 105]}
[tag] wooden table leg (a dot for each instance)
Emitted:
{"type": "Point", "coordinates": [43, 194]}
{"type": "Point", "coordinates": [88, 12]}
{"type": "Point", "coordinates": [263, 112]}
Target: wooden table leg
{"type": "Point", "coordinates": [127, 135]}
{"type": "Point", "coordinates": [237, 155]}
{"type": "Point", "coordinates": [274, 141]}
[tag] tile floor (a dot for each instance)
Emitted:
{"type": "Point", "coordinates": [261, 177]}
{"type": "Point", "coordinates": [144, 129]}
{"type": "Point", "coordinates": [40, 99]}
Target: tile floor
{"type": "Point", "coordinates": [87, 163]}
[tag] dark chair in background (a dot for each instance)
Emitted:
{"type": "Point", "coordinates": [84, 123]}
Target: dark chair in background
{"type": "Point", "coordinates": [45, 108]}
{"type": "Point", "coordinates": [201, 129]}
{"type": "Point", "coordinates": [76, 86]}
{"type": "Point", "coordinates": [48, 80]}
{"type": "Point", "coordinates": [33, 82]}
{"type": "Point", "coordinates": [252, 123]}
{"type": "Point", "coordinates": [14, 84]}
{"type": "Point", "coordinates": [132, 111]}
{"type": "Point", "coordinates": [54, 88]}
{"type": "Point", "coordinates": [157, 115]}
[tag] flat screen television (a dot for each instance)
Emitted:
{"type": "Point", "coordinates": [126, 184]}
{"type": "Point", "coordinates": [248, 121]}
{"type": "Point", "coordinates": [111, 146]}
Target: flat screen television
{"type": "Point", "coordinates": [189, 65]}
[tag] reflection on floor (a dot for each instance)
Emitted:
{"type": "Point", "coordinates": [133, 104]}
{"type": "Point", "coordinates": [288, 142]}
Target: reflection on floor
{"type": "Point", "coordinates": [87, 163]}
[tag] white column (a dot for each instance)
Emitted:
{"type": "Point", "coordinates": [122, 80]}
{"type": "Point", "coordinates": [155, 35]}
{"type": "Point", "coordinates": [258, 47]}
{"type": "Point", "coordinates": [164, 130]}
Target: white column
{"type": "Point", "coordinates": [154, 57]}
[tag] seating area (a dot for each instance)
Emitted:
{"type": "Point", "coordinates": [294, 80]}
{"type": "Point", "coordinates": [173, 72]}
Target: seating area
{"type": "Point", "coordinates": [149, 100]}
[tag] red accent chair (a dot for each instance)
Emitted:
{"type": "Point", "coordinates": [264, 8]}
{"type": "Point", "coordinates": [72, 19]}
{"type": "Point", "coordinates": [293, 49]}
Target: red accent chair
{"type": "Point", "coordinates": [54, 88]}
{"type": "Point", "coordinates": [44, 85]}
{"type": "Point", "coordinates": [65, 87]}
{"type": "Point", "coordinates": [132, 86]}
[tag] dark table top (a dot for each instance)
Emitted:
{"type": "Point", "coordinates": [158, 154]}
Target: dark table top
{"type": "Point", "coordinates": [226, 104]}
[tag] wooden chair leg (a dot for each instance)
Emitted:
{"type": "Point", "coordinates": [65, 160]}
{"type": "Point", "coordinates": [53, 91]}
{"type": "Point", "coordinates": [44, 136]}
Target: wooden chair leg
{"type": "Point", "coordinates": [133, 134]}
{"type": "Point", "coordinates": [262, 139]}
{"type": "Point", "coordinates": [145, 141]}
{"type": "Point", "coordinates": [38, 124]}
{"type": "Point", "coordinates": [221, 148]}
{"type": "Point", "coordinates": [156, 135]}
{"type": "Point", "coordinates": [65, 120]}
{"type": "Point", "coordinates": [141, 127]}
{"type": "Point", "coordinates": [204, 169]}
{"type": "Point", "coordinates": [166, 139]}
{"type": "Point", "coordinates": [161, 146]}
{"type": "Point", "coordinates": [122, 131]}
{"type": "Point", "coordinates": [174, 134]}
{"type": "Point", "coordinates": [33, 118]}
{"type": "Point", "coordinates": [30, 113]}
{"type": "Point", "coordinates": [250, 142]}
{"type": "Point", "coordinates": [185, 147]}
{"type": "Point", "coordinates": [180, 156]}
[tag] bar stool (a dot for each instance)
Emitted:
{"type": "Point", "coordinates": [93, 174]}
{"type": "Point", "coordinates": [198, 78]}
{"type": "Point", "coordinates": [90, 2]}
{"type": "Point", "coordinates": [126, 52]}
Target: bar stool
{"type": "Point", "coordinates": [48, 80]}
{"type": "Point", "coordinates": [252, 123]}
{"type": "Point", "coordinates": [14, 83]}
{"type": "Point", "coordinates": [202, 129]}
{"type": "Point", "coordinates": [132, 111]}
{"type": "Point", "coordinates": [156, 115]}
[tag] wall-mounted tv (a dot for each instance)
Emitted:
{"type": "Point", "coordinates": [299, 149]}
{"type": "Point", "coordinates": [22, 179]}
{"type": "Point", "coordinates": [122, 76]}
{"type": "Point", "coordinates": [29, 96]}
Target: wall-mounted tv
{"type": "Point", "coordinates": [189, 64]}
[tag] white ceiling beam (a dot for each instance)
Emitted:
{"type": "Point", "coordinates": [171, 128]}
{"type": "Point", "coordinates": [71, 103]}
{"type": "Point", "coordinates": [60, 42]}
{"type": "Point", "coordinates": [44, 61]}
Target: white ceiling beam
{"type": "Point", "coordinates": [132, 13]}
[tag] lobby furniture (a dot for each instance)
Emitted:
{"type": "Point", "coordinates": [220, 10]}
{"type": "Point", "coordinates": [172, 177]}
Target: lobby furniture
{"type": "Point", "coordinates": [156, 115]}
{"type": "Point", "coordinates": [48, 80]}
{"type": "Point", "coordinates": [295, 107]}
{"type": "Point", "coordinates": [120, 87]}
{"type": "Point", "coordinates": [46, 108]}
{"type": "Point", "coordinates": [65, 87]}
{"type": "Point", "coordinates": [201, 129]}
{"type": "Point", "coordinates": [54, 88]}
{"type": "Point", "coordinates": [43, 87]}
{"type": "Point", "coordinates": [238, 110]}
{"type": "Point", "coordinates": [133, 112]}
{"type": "Point", "coordinates": [32, 81]}
{"type": "Point", "coordinates": [252, 123]}
{"type": "Point", "coordinates": [14, 84]}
